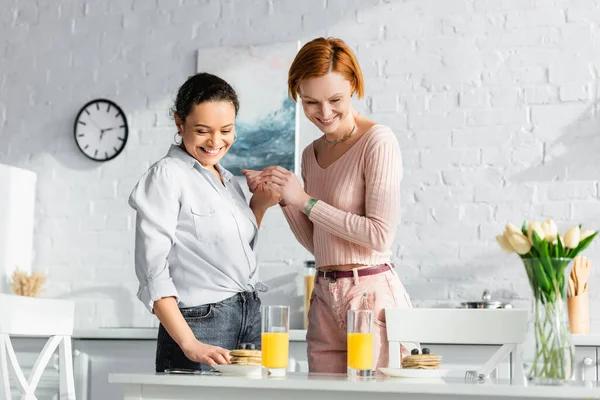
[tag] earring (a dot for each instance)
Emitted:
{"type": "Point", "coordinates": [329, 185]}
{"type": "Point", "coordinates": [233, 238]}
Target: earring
{"type": "Point", "coordinates": [175, 139]}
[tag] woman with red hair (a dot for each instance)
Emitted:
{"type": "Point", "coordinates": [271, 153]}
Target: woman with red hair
{"type": "Point", "coordinates": [348, 211]}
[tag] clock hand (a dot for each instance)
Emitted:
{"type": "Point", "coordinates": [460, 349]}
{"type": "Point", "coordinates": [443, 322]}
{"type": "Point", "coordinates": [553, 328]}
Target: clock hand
{"type": "Point", "coordinates": [93, 122]}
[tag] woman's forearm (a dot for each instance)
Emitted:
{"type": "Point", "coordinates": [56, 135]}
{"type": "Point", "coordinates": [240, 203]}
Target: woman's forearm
{"type": "Point", "coordinates": [170, 317]}
{"type": "Point", "coordinates": [258, 210]}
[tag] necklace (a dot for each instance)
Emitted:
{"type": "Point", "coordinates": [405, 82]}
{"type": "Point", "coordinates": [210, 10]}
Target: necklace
{"type": "Point", "coordinates": [336, 141]}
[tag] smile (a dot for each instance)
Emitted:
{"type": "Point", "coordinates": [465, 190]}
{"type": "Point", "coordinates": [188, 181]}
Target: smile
{"type": "Point", "coordinates": [212, 152]}
{"type": "Point", "coordinates": [327, 121]}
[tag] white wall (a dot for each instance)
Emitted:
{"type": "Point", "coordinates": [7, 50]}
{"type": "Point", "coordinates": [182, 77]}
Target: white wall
{"type": "Point", "coordinates": [495, 103]}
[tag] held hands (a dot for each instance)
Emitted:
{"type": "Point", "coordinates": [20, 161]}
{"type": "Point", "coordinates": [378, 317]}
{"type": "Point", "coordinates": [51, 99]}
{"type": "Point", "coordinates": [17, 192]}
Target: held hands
{"type": "Point", "coordinates": [206, 354]}
{"type": "Point", "coordinates": [281, 181]}
{"type": "Point", "coordinates": [261, 196]}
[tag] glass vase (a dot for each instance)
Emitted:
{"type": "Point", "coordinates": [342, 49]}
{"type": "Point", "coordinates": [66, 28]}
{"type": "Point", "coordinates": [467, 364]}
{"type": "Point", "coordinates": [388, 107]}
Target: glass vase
{"type": "Point", "coordinates": [548, 350]}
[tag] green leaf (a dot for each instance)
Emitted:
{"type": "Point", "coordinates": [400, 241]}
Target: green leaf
{"type": "Point", "coordinates": [561, 249]}
{"type": "Point", "coordinates": [540, 275]}
{"type": "Point", "coordinates": [524, 228]}
{"type": "Point", "coordinates": [537, 276]}
{"type": "Point", "coordinates": [538, 242]}
{"type": "Point", "coordinates": [546, 262]}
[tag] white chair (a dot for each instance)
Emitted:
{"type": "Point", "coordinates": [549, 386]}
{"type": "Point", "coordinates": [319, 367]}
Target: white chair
{"type": "Point", "coordinates": [505, 327]}
{"type": "Point", "coordinates": [35, 317]}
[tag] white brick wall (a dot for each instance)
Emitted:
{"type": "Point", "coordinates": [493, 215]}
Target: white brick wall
{"type": "Point", "coordinates": [495, 103]}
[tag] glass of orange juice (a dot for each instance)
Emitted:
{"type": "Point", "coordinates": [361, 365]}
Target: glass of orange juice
{"type": "Point", "coordinates": [360, 343]}
{"type": "Point", "coordinates": [275, 341]}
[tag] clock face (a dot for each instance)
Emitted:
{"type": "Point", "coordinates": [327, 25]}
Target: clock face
{"type": "Point", "coordinates": [101, 130]}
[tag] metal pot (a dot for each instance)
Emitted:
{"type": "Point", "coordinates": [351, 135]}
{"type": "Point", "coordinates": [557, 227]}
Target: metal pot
{"type": "Point", "coordinates": [485, 302]}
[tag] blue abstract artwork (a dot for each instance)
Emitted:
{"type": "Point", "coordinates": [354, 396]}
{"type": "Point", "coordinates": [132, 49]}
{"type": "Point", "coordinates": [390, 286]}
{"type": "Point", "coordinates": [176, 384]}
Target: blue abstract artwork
{"type": "Point", "coordinates": [267, 123]}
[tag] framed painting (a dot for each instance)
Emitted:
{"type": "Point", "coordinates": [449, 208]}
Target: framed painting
{"type": "Point", "coordinates": [267, 123]}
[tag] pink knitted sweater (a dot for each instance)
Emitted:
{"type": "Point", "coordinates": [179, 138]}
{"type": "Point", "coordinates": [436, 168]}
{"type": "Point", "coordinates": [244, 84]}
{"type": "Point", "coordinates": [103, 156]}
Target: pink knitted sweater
{"type": "Point", "coordinates": [356, 217]}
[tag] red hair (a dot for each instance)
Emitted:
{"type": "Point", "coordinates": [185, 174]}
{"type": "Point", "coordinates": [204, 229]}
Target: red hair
{"type": "Point", "coordinates": [321, 56]}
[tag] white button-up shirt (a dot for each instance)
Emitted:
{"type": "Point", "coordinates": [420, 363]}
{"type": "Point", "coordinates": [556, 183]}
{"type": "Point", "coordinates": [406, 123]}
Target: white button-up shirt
{"type": "Point", "coordinates": [195, 236]}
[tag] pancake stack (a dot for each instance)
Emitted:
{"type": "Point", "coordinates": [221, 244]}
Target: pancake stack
{"type": "Point", "coordinates": [246, 355]}
{"type": "Point", "coordinates": [422, 361]}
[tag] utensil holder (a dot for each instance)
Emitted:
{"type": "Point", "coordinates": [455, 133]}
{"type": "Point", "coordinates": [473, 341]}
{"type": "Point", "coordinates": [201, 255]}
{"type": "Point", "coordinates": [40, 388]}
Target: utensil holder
{"type": "Point", "coordinates": [579, 313]}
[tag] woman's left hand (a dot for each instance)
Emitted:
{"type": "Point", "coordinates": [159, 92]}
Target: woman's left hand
{"type": "Point", "coordinates": [286, 184]}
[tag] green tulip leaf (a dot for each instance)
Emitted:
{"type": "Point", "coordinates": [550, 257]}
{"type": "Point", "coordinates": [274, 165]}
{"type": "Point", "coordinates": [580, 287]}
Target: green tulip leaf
{"type": "Point", "coordinates": [561, 249]}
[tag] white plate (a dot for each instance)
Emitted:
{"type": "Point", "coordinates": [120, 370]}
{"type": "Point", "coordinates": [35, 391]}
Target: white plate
{"type": "Point", "coordinates": [241, 370]}
{"type": "Point", "coordinates": [415, 373]}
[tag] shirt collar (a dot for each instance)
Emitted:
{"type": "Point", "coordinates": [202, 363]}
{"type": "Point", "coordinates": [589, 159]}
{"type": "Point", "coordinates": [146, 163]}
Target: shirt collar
{"type": "Point", "coordinates": [177, 152]}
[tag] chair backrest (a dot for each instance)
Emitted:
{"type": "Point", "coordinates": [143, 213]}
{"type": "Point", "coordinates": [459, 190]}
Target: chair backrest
{"type": "Point", "coordinates": [456, 326]}
{"type": "Point", "coordinates": [31, 316]}
{"type": "Point", "coordinates": [505, 327]}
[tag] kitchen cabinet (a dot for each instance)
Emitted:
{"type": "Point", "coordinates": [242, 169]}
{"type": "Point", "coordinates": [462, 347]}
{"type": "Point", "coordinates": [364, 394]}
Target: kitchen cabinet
{"type": "Point", "coordinates": [108, 356]}
{"type": "Point", "coordinates": [586, 364]}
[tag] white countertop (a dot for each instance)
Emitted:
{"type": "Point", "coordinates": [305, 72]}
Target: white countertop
{"type": "Point", "coordinates": [296, 335]}
{"type": "Point", "coordinates": [341, 383]}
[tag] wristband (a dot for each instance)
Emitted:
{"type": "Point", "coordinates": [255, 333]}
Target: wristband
{"type": "Point", "coordinates": [311, 203]}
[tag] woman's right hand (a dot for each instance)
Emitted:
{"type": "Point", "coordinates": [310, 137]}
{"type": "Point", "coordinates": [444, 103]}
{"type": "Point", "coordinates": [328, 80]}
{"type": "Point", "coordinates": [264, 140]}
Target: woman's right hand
{"type": "Point", "coordinates": [206, 354]}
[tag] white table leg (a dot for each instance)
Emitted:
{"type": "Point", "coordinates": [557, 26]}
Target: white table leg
{"type": "Point", "coordinates": [4, 378]}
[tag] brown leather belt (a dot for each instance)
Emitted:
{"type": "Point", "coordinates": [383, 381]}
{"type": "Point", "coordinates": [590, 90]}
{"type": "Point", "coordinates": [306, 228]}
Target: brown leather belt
{"type": "Point", "coordinates": [377, 269]}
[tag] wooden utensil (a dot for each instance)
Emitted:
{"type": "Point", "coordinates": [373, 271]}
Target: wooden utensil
{"type": "Point", "coordinates": [578, 301]}
{"type": "Point", "coordinates": [573, 277]}
{"type": "Point", "coordinates": [581, 269]}
{"type": "Point", "coordinates": [571, 289]}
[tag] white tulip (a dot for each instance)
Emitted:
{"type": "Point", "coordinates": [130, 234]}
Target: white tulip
{"type": "Point", "coordinates": [535, 226]}
{"type": "Point", "coordinates": [519, 242]}
{"type": "Point", "coordinates": [550, 230]}
{"type": "Point", "coordinates": [572, 237]}
{"type": "Point", "coordinates": [511, 228]}
{"type": "Point", "coordinates": [504, 244]}
{"type": "Point", "coordinates": [586, 233]}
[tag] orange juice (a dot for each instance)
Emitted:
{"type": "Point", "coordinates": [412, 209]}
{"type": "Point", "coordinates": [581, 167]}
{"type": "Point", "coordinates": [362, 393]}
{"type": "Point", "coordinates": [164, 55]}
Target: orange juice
{"type": "Point", "coordinates": [360, 350]}
{"type": "Point", "coordinates": [275, 349]}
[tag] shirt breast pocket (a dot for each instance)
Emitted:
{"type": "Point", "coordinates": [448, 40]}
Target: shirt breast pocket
{"type": "Point", "coordinates": [204, 221]}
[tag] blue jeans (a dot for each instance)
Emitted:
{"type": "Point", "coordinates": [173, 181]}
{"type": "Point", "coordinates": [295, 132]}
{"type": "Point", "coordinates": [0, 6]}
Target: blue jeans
{"type": "Point", "coordinates": [226, 324]}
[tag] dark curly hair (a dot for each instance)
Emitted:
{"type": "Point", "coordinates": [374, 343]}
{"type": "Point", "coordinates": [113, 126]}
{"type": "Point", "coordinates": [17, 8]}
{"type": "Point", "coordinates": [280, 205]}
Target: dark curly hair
{"type": "Point", "coordinates": [201, 88]}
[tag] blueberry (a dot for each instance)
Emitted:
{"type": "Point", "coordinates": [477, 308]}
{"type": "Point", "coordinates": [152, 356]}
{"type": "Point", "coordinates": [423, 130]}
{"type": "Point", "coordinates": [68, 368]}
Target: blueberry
{"type": "Point", "coordinates": [426, 350]}
{"type": "Point", "coordinates": [250, 346]}
{"type": "Point", "coordinates": [242, 346]}
{"type": "Point", "coordinates": [414, 351]}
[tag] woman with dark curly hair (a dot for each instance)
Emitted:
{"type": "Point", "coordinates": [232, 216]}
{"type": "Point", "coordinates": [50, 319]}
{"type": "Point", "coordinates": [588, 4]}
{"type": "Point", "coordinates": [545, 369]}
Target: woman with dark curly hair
{"type": "Point", "coordinates": [196, 235]}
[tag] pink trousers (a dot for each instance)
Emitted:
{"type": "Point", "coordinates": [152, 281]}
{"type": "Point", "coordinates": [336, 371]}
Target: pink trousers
{"type": "Point", "coordinates": [330, 301]}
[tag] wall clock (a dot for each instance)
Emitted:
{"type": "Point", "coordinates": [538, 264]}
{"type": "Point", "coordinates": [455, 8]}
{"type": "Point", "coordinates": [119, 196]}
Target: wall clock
{"type": "Point", "coordinates": [101, 130]}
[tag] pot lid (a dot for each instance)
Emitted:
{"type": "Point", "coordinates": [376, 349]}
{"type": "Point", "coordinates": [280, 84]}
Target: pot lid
{"type": "Point", "coordinates": [485, 302]}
